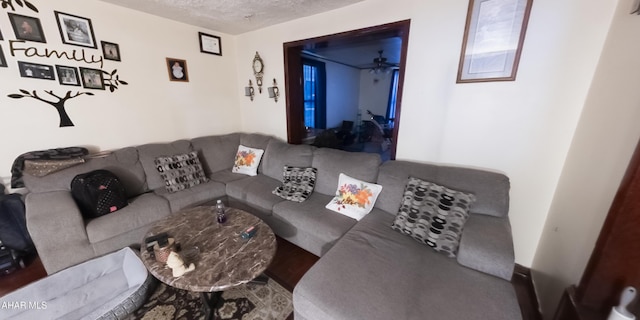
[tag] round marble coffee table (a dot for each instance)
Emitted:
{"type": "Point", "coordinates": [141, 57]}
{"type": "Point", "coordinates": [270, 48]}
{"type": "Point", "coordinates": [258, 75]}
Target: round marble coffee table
{"type": "Point", "coordinates": [224, 259]}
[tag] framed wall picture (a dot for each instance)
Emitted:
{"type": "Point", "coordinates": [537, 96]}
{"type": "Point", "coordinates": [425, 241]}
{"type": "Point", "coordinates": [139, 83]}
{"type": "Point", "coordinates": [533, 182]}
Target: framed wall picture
{"type": "Point", "coordinates": [92, 78]}
{"type": "Point", "coordinates": [177, 70]}
{"type": "Point", "coordinates": [36, 70]}
{"type": "Point", "coordinates": [1, 38]}
{"type": "Point", "coordinates": [493, 38]}
{"type": "Point", "coordinates": [75, 30]}
{"type": "Point", "coordinates": [210, 44]}
{"type": "Point", "coordinates": [27, 28]}
{"type": "Point", "coordinates": [3, 61]}
{"type": "Point", "coordinates": [110, 50]}
{"type": "Point", "coordinates": [67, 76]}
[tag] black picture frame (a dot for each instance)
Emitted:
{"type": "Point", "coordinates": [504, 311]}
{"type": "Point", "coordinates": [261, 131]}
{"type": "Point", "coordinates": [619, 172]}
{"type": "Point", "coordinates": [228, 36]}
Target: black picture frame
{"type": "Point", "coordinates": [1, 38]}
{"type": "Point", "coordinates": [177, 69]}
{"type": "Point", "coordinates": [92, 78]}
{"type": "Point", "coordinates": [210, 44]}
{"type": "Point", "coordinates": [68, 76]}
{"type": "Point", "coordinates": [3, 61]}
{"type": "Point", "coordinates": [27, 28]}
{"type": "Point", "coordinates": [36, 70]}
{"type": "Point", "coordinates": [110, 50]}
{"type": "Point", "coordinates": [76, 30]}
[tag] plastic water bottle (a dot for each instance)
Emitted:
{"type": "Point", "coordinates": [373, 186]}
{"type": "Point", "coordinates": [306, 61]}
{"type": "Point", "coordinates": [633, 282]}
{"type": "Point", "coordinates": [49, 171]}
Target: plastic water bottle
{"type": "Point", "coordinates": [220, 216]}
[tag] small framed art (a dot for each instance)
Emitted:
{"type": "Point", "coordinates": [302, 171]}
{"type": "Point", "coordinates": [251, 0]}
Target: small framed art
{"type": "Point", "coordinates": [177, 70]}
{"type": "Point", "coordinates": [110, 50]}
{"type": "Point", "coordinates": [27, 28]}
{"type": "Point", "coordinates": [210, 44]}
{"type": "Point", "coordinates": [67, 76]}
{"type": "Point", "coordinates": [36, 70]}
{"type": "Point", "coordinates": [493, 38]}
{"type": "Point", "coordinates": [92, 78]}
{"type": "Point", "coordinates": [75, 30]}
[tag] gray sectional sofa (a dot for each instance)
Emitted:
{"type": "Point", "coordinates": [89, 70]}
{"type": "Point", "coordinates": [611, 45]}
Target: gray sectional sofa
{"type": "Point", "coordinates": [367, 270]}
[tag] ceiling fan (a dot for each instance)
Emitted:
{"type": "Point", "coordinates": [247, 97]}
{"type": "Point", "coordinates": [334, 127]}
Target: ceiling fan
{"type": "Point", "coordinates": [380, 64]}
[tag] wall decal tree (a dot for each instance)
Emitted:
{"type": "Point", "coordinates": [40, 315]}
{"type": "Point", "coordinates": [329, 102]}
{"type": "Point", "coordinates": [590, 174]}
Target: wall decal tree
{"type": "Point", "coordinates": [111, 80]}
{"type": "Point", "coordinates": [23, 3]}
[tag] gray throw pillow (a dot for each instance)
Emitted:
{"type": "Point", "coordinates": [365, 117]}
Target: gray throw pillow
{"type": "Point", "coordinates": [433, 215]}
{"type": "Point", "coordinates": [181, 171]}
{"type": "Point", "coordinates": [297, 183]}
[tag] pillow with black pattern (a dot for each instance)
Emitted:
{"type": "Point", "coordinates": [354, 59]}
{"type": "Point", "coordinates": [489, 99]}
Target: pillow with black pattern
{"type": "Point", "coordinates": [180, 171]}
{"type": "Point", "coordinates": [297, 183]}
{"type": "Point", "coordinates": [433, 215]}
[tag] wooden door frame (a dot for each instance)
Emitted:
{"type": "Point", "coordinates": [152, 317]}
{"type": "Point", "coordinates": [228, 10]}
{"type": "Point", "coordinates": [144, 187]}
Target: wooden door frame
{"type": "Point", "coordinates": [293, 72]}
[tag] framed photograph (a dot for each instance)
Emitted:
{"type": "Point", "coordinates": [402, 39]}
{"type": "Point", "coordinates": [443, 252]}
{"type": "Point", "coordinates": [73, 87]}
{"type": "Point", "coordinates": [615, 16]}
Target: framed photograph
{"type": "Point", "coordinates": [92, 78]}
{"type": "Point", "coordinates": [493, 38]}
{"type": "Point", "coordinates": [210, 44]}
{"type": "Point", "coordinates": [27, 28]}
{"type": "Point", "coordinates": [177, 70]}
{"type": "Point", "coordinates": [110, 50]}
{"type": "Point", "coordinates": [35, 70]}
{"type": "Point", "coordinates": [67, 76]}
{"type": "Point", "coordinates": [3, 61]}
{"type": "Point", "coordinates": [75, 30]}
{"type": "Point", "coordinates": [1, 38]}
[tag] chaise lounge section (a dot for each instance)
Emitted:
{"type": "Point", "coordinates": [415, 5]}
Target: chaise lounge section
{"type": "Point", "coordinates": [367, 270]}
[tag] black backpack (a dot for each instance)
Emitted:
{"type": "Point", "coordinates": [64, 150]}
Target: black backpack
{"type": "Point", "coordinates": [13, 225]}
{"type": "Point", "coordinates": [97, 193]}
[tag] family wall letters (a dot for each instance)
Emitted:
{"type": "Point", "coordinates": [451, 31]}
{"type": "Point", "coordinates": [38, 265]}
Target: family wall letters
{"type": "Point", "coordinates": [74, 55]}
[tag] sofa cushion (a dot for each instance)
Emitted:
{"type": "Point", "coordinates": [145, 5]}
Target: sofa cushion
{"type": "Point", "coordinates": [279, 154]}
{"type": "Point", "coordinates": [490, 188]}
{"type": "Point", "coordinates": [148, 154]}
{"type": "Point", "coordinates": [297, 183]}
{"type": "Point", "coordinates": [433, 215]}
{"type": "Point", "coordinates": [255, 191]}
{"type": "Point", "coordinates": [180, 171]}
{"type": "Point", "coordinates": [247, 160]}
{"type": "Point", "coordinates": [217, 152]}
{"type": "Point", "coordinates": [354, 198]}
{"type": "Point", "coordinates": [196, 195]}
{"type": "Point", "coordinates": [331, 162]}
{"type": "Point", "coordinates": [378, 273]}
{"type": "Point", "coordinates": [141, 211]}
{"type": "Point", "coordinates": [226, 176]}
{"type": "Point", "coordinates": [123, 163]}
{"type": "Point", "coordinates": [311, 225]}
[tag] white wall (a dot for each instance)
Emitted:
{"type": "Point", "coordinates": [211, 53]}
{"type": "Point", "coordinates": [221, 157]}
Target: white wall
{"type": "Point", "coordinates": [149, 109]}
{"type": "Point", "coordinates": [374, 92]}
{"type": "Point", "coordinates": [343, 84]}
{"type": "Point", "coordinates": [522, 128]}
{"type": "Point", "coordinates": [604, 141]}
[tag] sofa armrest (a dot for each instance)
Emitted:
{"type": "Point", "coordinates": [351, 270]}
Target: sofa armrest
{"type": "Point", "coordinates": [57, 229]}
{"type": "Point", "coordinates": [487, 246]}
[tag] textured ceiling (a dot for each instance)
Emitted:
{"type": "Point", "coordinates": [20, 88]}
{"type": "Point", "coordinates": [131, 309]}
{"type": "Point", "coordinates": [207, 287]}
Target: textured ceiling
{"type": "Point", "coordinates": [233, 16]}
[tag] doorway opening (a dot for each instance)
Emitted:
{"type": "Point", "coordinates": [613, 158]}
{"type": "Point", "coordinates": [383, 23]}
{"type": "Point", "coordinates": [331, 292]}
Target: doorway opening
{"type": "Point", "coordinates": [345, 90]}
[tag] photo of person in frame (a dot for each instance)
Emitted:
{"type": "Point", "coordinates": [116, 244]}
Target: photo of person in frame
{"type": "Point", "coordinates": [27, 28]}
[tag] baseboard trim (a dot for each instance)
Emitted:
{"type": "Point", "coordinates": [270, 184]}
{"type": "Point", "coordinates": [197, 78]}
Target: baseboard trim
{"type": "Point", "coordinates": [523, 283]}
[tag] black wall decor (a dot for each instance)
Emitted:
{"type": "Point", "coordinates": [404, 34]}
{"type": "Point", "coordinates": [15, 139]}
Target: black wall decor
{"type": "Point", "coordinates": [8, 4]}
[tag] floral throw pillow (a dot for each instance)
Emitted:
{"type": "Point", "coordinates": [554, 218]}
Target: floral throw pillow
{"type": "Point", "coordinates": [297, 183]}
{"type": "Point", "coordinates": [433, 215]}
{"type": "Point", "coordinates": [354, 198]}
{"type": "Point", "coordinates": [247, 160]}
{"type": "Point", "coordinates": [181, 171]}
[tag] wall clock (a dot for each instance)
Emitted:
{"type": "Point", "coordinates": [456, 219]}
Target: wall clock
{"type": "Point", "coordinates": [258, 70]}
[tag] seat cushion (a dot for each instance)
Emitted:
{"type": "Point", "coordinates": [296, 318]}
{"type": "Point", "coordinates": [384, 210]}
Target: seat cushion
{"type": "Point", "coordinates": [226, 176]}
{"type": "Point", "coordinates": [377, 273]}
{"type": "Point", "coordinates": [312, 226]}
{"type": "Point", "coordinates": [255, 191]}
{"type": "Point", "coordinates": [145, 209]}
{"type": "Point", "coordinates": [193, 196]}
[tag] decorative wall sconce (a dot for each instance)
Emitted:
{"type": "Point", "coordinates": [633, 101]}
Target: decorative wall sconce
{"type": "Point", "coordinates": [274, 92]}
{"type": "Point", "coordinates": [248, 91]}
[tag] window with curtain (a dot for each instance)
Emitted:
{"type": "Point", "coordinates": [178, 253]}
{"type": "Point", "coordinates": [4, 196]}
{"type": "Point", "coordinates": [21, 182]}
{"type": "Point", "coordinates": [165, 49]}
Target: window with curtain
{"type": "Point", "coordinates": [393, 96]}
{"type": "Point", "coordinates": [314, 77]}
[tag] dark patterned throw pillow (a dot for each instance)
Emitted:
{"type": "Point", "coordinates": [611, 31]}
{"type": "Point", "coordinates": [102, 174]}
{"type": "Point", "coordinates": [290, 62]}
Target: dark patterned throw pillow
{"type": "Point", "coordinates": [297, 183]}
{"type": "Point", "coordinates": [434, 215]}
{"type": "Point", "coordinates": [181, 171]}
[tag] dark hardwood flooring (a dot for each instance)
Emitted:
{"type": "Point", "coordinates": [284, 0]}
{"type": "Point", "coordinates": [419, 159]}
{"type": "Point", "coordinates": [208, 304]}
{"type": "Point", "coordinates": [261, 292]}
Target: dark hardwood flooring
{"type": "Point", "coordinates": [288, 266]}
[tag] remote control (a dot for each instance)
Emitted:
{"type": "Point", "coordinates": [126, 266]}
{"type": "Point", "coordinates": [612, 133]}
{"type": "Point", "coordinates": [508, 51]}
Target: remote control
{"type": "Point", "coordinates": [250, 232]}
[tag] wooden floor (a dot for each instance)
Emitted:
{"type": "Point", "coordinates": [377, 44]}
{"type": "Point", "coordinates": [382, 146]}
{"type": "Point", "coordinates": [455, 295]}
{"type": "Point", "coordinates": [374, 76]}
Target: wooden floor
{"type": "Point", "coordinates": [288, 266]}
